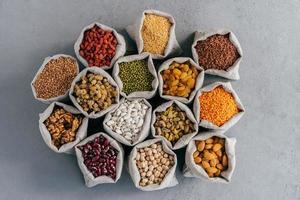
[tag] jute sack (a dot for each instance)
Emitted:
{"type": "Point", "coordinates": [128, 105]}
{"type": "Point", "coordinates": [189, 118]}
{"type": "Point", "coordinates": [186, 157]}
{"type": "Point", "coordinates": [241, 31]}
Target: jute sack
{"type": "Point", "coordinates": [144, 132]}
{"type": "Point", "coordinates": [80, 134]}
{"type": "Point", "coordinates": [95, 70]}
{"type": "Point", "coordinates": [151, 68]}
{"type": "Point", "coordinates": [120, 49]}
{"type": "Point", "coordinates": [209, 125]}
{"type": "Point", "coordinates": [46, 60]}
{"type": "Point", "coordinates": [191, 169]}
{"type": "Point", "coordinates": [134, 32]}
{"type": "Point", "coordinates": [233, 71]}
{"type": "Point", "coordinates": [199, 80]}
{"type": "Point", "coordinates": [184, 140]}
{"type": "Point", "coordinates": [89, 178]}
{"type": "Point", "coordinates": [169, 179]}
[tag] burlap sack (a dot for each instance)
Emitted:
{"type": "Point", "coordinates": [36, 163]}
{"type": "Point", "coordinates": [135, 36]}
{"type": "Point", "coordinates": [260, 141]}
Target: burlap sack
{"type": "Point", "coordinates": [151, 67]}
{"type": "Point", "coordinates": [206, 124]}
{"type": "Point", "coordinates": [184, 140]}
{"type": "Point", "coordinates": [80, 134]}
{"type": "Point", "coordinates": [134, 32]}
{"type": "Point", "coordinates": [89, 178]}
{"type": "Point", "coordinates": [170, 178]}
{"type": "Point", "coordinates": [58, 98]}
{"type": "Point", "coordinates": [166, 65]}
{"type": "Point", "coordinates": [193, 170]}
{"type": "Point", "coordinates": [95, 70]}
{"type": "Point", "coordinates": [120, 49]}
{"type": "Point", "coordinates": [233, 71]}
{"type": "Point", "coordinates": [142, 134]}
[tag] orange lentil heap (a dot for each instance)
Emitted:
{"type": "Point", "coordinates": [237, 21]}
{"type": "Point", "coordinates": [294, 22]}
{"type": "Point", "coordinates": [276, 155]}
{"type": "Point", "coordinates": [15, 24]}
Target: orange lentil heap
{"type": "Point", "coordinates": [217, 106]}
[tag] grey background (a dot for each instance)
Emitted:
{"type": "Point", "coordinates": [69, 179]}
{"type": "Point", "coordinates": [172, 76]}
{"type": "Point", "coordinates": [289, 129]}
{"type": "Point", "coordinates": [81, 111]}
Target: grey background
{"type": "Point", "coordinates": [268, 136]}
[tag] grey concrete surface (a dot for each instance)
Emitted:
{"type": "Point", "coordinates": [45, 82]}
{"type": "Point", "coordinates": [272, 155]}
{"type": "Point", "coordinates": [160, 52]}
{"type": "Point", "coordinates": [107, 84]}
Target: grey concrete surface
{"type": "Point", "coordinates": [268, 158]}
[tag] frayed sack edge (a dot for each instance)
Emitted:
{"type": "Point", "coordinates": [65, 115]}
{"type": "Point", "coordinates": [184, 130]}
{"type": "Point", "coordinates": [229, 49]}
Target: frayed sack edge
{"type": "Point", "coordinates": [184, 140]}
{"type": "Point", "coordinates": [169, 179]}
{"type": "Point", "coordinates": [120, 49]}
{"type": "Point", "coordinates": [209, 125]}
{"type": "Point", "coordinates": [135, 30]}
{"type": "Point", "coordinates": [190, 169]}
{"type": "Point", "coordinates": [233, 71]}
{"type": "Point", "coordinates": [144, 132]}
{"type": "Point", "coordinates": [90, 181]}
{"type": "Point", "coordinates": [95, 70]}
{"type": "Point", "coordinates": [80, 134]}
{"type": "Point", "coordinates": [46, 60]}
{"type": "Point", "coordinates": [198, 85]}
{"type": "Point", "coordinates": [151, 68]}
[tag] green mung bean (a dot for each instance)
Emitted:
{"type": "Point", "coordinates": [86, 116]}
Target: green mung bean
{"type": "Point", "coordinates": [135, 76]}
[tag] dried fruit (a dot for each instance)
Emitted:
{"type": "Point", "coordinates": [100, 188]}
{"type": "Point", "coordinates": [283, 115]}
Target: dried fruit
{"type": "Point", "coordinates": [98, 47]}
{"type": "Point", "coordinates": [173, 124]}
{"type": "Point", "coordinates": [179, 79]}
{"type": "Point", "coordinates": [94, 93]}
{"type": "Point", "coordinates": [62, 126]}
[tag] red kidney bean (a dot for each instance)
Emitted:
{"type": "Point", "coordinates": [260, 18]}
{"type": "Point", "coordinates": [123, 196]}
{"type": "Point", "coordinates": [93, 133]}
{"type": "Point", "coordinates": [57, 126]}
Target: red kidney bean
{"type": "Point", "coordinates": [100, 157]}
{"type": "Point", "coordinates": [98, 47]}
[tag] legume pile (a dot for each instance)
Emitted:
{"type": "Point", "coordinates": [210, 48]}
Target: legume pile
{"type": "Point", "coordinates": [211, 155]}
{"type": "Point", "coordinates": [56, 78]}
{"type": "Point", "coordinates": [100, 157]}
{"type": "Point", "coordinates": [155, 33]}
{"type": "Point", "coordinates": [217, 106]}
{"type": "Point", "coordinates": [128, 119]}
{"type": "Point", "coordinates": [217, 52]}
{"type": "Point", "coordinates": [179, 79]}
{"type": "Point", "coordinates": [173, 124]}
{"type": "Point", "coordinates": [62, 126]}
{"type": "Point", "coordinates": [98, 47]}
{"type": "Point", "coordinates": [135, 76]}
{"type": "Point", "coordinates": [94, 93]}
{"type": "Point", "coordinates": [153, 164]}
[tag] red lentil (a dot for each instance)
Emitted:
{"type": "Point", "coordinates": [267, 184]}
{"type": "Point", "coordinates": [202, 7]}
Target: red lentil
{"type": "Point", "coordinates": [98, 47]}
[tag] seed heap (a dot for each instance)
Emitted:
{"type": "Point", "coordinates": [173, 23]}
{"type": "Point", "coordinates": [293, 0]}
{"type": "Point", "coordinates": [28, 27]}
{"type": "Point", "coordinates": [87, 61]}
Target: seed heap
{"type": "Point", "coordinates": [211, 155]}
{"type": "Point", "coordinates": [98, 46]}
{"type": "Point", "coordinates": [173, 124]}
{"type": "Point", "coordinates": [217, 52]}
{"type": "Point", "coordinates": [135, 76]}
{"type": "Point", "coordinates": [100, 157]}
{"type": "Point", "coordinates": [153, 164]}
{"type": "Point", "coordinates": [62, 126]}
{"type": "Point", "coordinates": [217, 106]}
{"type": "Point", "coordinates": [179, 79]}
{"type": "Point", "coordinates": [128, 119]}
{"type": "Point", "coordinates": [94, 93]}
{"type": "Point", "coordinates": [56, 78]}
{"type": "Point", "coordinates": [155, 33]}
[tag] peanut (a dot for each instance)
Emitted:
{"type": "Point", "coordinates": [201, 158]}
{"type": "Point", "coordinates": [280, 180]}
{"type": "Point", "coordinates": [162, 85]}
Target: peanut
{"type": "Point", "coordinates": [200, 146]}
{"type": "Point", "coordinates": [211, 155]}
